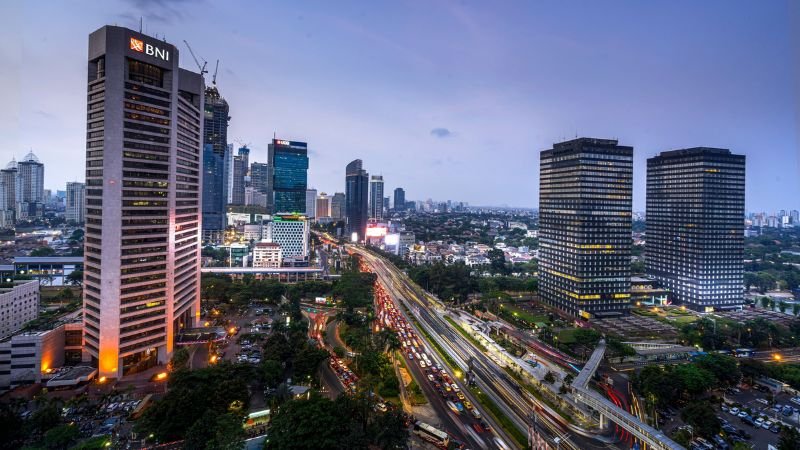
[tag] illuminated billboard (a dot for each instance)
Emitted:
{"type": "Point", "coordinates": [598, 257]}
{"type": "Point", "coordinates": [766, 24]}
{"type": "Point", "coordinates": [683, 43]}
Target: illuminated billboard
{"type": "Point", "coordinates": [392, 239]}
{"type": "Point", "coordinates": [376, 231]}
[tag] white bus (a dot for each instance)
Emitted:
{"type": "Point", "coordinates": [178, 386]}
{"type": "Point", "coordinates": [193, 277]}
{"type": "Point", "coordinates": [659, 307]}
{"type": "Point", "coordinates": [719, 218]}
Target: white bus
{"type": "Point", "coordinates": [431, 434]}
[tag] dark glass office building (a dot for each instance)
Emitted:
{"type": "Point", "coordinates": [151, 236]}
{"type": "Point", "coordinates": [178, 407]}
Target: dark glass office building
{"type": "Point", "coordinates": [585, 189]}
{"type": "Point", "coordinates": [695, 226]}
{"type": "Point", "coordinates": [213, 193]}
{"type": "Point", "coordinates": [288, 167]}
{"type": "Point", "coordinates": [356, 198]}
{"type": "Point", "coordinates": [215, 147]}
{"type": "Point", "coordinates": [399, 199]}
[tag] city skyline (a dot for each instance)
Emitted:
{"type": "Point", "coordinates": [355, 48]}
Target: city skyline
{"type": "Point", "coordinates": [417, 109]}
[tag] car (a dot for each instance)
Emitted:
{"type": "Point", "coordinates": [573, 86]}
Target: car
{"type": "Point", "coordinates": [467, 404]}
{"type": "Point", "coordinates": [410, 356]}
{"type": "Point", "coordinates": [724, 408]}
{"type": "Point", "coordinates": [734, 411]}
{"type": "Point", "coordinates": [477, 427]}
{"type": "Point", "coordinates": [422, 364]}
{"type": "Point", "coordinates": [721, 444]}
{"type": "Point", "coordinates": [759, 421]}
{"type": "Point", "coordinates": [447, 387]}
{"type": "Point", "coordinates": [455, 388]}
{"type": "Point", "coordinates": [430, 377]}
{"type": "Point", "coordinates": [795, 400]}
{"type": "Point", "coordinates": [744, 434]}
{"type": "Point", "coordinates": [453, 407]}
{"type": "Point", "coordinates": [748, 420]}
{"type": "Point", "coordinates": [762, 401]}
{"type": "Point", "coordinates": [741, 414]}
{"type": "Point", "coordinates": [775, 428]}
{"type": "Point", "coordinates": [767, 424]}
{"type": "Point", "coordinates": [729, 429]}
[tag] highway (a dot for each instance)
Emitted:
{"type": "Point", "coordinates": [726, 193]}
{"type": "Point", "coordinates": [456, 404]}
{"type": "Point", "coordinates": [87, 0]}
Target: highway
{"type": "Point", "coordinates": [513, 400]}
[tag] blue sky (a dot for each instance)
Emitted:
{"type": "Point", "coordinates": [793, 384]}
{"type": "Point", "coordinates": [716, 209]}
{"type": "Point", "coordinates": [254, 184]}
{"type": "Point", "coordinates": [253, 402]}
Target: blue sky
{"type": "Point", "coordinates": [448, 99]}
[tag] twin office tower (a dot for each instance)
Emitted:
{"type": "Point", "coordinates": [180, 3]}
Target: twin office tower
{"type": "Point", "coordinates": [694, 236]}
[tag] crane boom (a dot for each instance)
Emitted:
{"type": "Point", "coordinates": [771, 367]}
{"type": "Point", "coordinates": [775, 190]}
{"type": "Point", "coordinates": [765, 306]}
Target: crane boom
{"type": "Point", "coordinates": [214, 79]}
{"type": "Point", "coordinates": [203, 67]}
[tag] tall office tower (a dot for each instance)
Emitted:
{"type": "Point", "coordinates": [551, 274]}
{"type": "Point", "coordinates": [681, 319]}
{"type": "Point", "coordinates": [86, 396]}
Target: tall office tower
{"type": "Point", "coordinates": [356, 196]}
{"type": "Point", "coordinates": [323, 206]}
{"type": "Point", "coordinates": [376, 197]}
{"type": "Point", "coordinates": [585, 189]}
{"type": "Point", "coordinates": [30, 187]}
{"type": "Point", "coordinates": [288, 166]}
{"type": "Point", "coordinates": [311, 203]}
{"type": "Point", "coordinates": [795, 215]}
{"type": "Point", "coordinates": [214, 200]}
{"type": "Point", "coordinates": [75, 202]}
{"type": "Point", "coordinates": [338, 206]}
{"type": "Point", "coordinates": [215, 146]}
{"type": "Point", "coordinates": [695, 226]}
{"type": "Point", "coordinates": [259, 177]}
{"type": "Point", "coordinates": [385, 206]}
{"type": "Point", "coordinates": [399, 199]}
{"type": "Point", "coordinates": [8, 196]}
{"type": "Point", "coordinates": [143, 162]}
{"type": "Point", "coordinates": [240, 171]}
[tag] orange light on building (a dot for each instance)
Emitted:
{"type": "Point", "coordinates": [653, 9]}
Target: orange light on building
{"type": "Point", "coordinates": [213, 359]}
{"type": "Point", "coordinates": [161, 376]}
{"type": "Point", "coordinates": [232, 330]}
{"type": "Point", "coordinates": [101, 380]}
{"type": "Point", "coordinates": [777, 357]}
{"type": "Point", "coordinates": [206, 324]}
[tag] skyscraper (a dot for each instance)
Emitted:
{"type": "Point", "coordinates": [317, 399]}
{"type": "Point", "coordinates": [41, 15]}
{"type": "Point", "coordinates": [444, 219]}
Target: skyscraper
{"type": "Point", "coordinates": [323, 206]}
{"type": "Point", "coordinates": [376, 197]}
{"type": "Point", "coordinates": [240, 171]}
{"type": "Point", "coordinates": [142, 249]}
{"type": "Point", "coordinates": [8, 195]}
{"type": "Point", "coordinates": [311, 203]}
{"type": "Point", "coordinates": [214, 196]}
{"type": "Point", "coordinates": [338, 206]}
{"type": "Point", "coordinates": [585, 188]}
{"type": "Point", "coordinates": [288, 165]}
{"type": "Point", "coordinates": [30, 187]}
{"type": "Point", "coordinates": [399, 199]}
{"type": "Point", "coordinates": [695, 226]}
{"type": "Point", "coordinates": [215, 147]}
{"type": "Point", "coordinates": [259, 177]}
{"type": "Point", "coordinates": [356, 196]}
{"type": "Point", "coordinates": [75, 202]}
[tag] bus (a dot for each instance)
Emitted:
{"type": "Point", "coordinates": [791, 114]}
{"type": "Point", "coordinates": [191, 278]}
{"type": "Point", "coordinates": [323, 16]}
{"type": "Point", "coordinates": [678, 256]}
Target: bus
{"type": "Point", "coordinates": [743, 352]}
{"type": "Point", "coordinates": [431, 434]}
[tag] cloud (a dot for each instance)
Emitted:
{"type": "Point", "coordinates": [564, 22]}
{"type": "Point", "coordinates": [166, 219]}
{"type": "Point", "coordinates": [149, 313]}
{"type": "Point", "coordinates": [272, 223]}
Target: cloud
{"type": "Point", "coordinates": [441, 133]}
{"type": "Point", "coordinates": [165, 12]}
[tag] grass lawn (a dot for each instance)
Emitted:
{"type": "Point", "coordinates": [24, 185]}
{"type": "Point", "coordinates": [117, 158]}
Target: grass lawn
{"type": "Point", "coordinates": [520, 437]}
{"type": "Point", "coordinates": [523, 314]}
{"type": "Point", "coordinates": [466, 334]}
{"type": "Point", "coordinates": [567, 336]}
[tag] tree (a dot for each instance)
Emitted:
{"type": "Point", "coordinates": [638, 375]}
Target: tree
{"type": "Point", "coordinates": [75, 278]}
{"type": "Point", "coordinates": [272, 372]}
{"type": "Point", "coordinates": [11, 432]}
{"type": "Point", "coordinates": [43, 251]}
{"type": "Point", "coordinates": [790, 439]}
{"type": "Point", "coordinates": [302, 424]}
{"type": "Point", "coordinates": [549, 377]}
{"type": "Point", "coordinates": [306, 362]}
{"type": "Point", "coordinates": [694, 380]}
{"type": "Point", "coordinates": [180, 359]}
{"type": "Point", "coordinates": [764, 302]}
{"type": "Point", "coordinates": [214, 431]}
{"type": "Point", "coordinates": [497, 261]}
{"type": "Point", "coordinates": [61, 436]}
{"type": "Point", "coordinates": [724, 368]}
{"type": "Point", "coordinates": [45, 418]}
{"type": "Point", "coordinates": [702, 417]}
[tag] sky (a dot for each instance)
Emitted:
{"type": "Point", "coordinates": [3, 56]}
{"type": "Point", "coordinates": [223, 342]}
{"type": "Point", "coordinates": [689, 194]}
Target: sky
{"type": "Point", "coordinates": [447, 99]}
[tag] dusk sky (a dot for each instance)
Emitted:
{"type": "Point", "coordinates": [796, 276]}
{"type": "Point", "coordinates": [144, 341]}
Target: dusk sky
{"type": "Point", "coordinates": [450, 100]}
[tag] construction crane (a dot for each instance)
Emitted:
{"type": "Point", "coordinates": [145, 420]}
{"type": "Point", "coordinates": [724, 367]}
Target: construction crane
{"type": "Point", "coordinates": [214, 79]}
{"type": "Point", "coordinates": [203, 67]}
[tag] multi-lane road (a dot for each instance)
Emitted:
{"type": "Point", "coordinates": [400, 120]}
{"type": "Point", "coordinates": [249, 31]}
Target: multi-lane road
{"type": "Point", "coordinates": [514, 401]}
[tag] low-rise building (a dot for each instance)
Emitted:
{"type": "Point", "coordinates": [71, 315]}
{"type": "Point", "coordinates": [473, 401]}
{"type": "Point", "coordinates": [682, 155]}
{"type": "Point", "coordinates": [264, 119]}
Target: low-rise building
{"type": "Point", "coordinates": [19, 303]}
{"type": "Point", "coordinates": [48, 270]}
{"type": "Point", "coordinates": [267, 254]}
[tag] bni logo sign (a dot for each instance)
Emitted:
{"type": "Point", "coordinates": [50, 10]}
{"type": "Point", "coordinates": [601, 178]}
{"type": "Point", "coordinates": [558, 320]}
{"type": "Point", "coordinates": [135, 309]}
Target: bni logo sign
{"type": "Point", "coordinates": [148, 49]}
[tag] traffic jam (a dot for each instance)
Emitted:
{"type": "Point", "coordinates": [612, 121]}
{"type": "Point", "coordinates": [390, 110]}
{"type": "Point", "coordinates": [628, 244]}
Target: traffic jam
{"type": "Point", "coordinates": [417, 353]}
{"type": "Point", "coordinates": [348, 379]}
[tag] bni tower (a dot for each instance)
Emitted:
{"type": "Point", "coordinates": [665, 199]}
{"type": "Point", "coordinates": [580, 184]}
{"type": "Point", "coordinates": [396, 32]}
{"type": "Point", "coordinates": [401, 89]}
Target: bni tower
{"type": "Point", "coordinates": [695, 226]}
{"type": "Point", "coordinates": [585, 188]}
{"type": "Point", "coordinates": [143, 193]}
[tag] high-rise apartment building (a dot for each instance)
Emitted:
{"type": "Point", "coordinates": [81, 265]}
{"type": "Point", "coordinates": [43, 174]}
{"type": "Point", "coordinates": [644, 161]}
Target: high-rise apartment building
{"type": "Point", "coordinates": [356, 198]}
{"type": "Point", "coordinates": [30, 187]}
{"type": "Point", "coordinates": [338, 206]}
{"type": "Point", "coordinates": [399, 199]}
{"type": "Point", "coordinates": [288, 165]}
{"type": "Point", "coordinates": [695, 226]}
{"type": "Point", "coordinates": [323, 206]}
{"type": "Point", "coordinates": [585, 190]}
{"type": "Point", "coordinates": [75, 202]}
{"type": "Point", "coordinates": [19, 304]}
{"type": "Point", "coordinates": [143, 162]}
{"type": "Point", "coordinates": [215, 147]}
{"type": "Point", "coordinates": [311, 203]}
{"type": "Point", "coordinates": [376, 197]}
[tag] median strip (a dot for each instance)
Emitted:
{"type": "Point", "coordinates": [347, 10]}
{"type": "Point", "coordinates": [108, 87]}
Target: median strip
{"type": "Point", "coordinates": [520, 437]}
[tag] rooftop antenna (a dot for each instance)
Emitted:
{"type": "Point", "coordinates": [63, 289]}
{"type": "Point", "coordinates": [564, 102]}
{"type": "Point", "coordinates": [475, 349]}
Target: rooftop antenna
{"type": "Point", "coordinates": [140, 24]}
{"type": "Point", "coordinates": [214, 79]}
{"type": "Point", "coordinates": [203, 67]}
